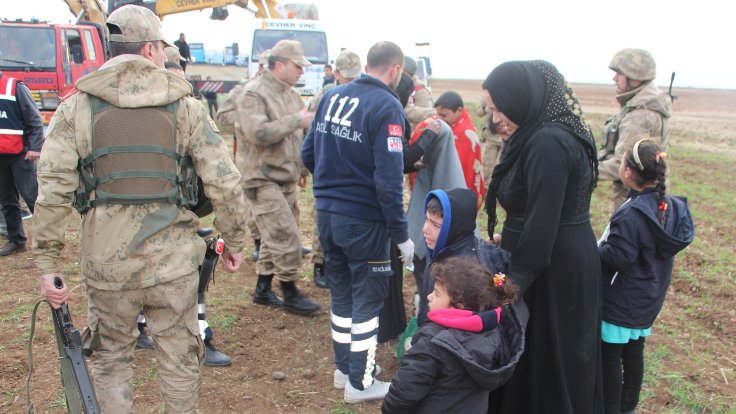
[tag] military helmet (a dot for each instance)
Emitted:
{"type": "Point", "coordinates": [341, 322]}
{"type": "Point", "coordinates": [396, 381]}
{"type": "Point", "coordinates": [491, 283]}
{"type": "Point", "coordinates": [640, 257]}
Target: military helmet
{"type": "Point", "coordinates": [410, 66]}
{"type": "Point", "coordinates": [636, 64]}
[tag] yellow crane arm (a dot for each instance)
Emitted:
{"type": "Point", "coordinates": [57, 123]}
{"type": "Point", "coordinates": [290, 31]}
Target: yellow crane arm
{"type": "Point", "coordinates": [90, 10]}
{"type": "Point", "coordinates": [265, 8]}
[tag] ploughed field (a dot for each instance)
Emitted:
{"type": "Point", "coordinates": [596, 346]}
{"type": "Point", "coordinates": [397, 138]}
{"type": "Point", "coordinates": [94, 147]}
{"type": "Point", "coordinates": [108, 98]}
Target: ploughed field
{"type": "Point", "coordinates": [690, 358]}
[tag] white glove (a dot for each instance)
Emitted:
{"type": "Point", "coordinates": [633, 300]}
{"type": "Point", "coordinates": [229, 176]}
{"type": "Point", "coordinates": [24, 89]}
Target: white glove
{"type": "Point", "coordinates": [407, 251]}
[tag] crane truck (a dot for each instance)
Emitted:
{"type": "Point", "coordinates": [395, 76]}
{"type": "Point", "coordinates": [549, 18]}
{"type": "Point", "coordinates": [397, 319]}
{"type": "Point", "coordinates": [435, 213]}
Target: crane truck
{"type": "Point", "coordinates": [50, 58]}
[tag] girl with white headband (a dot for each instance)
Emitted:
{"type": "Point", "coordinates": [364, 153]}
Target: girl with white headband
{"type": "Point", "coordinates": [637, 254]}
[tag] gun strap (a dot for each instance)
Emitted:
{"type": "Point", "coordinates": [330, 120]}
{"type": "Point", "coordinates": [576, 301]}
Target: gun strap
{"type": "Point", "coordinates": [29, 404]}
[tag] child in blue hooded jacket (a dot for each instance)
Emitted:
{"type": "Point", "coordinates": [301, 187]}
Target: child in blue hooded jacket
{"type": "Point", "coordinates": [449, 231]}
{"type": "Point", "coordinates": [638, 250]}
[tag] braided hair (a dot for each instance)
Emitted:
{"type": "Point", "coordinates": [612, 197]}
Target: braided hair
{"type": "Point", "coordinates": [649, 162]}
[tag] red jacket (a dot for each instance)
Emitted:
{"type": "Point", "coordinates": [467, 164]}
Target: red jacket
{"type": "Point", "coordinates": [469, 150]}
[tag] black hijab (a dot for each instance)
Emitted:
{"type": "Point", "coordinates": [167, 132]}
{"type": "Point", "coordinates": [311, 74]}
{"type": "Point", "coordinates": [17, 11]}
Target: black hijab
{"type": "Point", "coordinates": [405, 89]}
{"type": "Point", "coordinates": [532, 94]}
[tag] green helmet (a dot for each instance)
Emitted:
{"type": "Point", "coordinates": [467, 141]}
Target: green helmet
{"type": "Point", "coordinates": [636, 64]}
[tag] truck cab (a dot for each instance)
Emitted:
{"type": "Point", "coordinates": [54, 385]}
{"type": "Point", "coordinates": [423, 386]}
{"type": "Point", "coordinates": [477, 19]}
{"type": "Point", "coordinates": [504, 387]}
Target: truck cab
{"type": "Point", "coordinates": [49, 58]}
{"type": "Point", "coordinates": [310, 33]}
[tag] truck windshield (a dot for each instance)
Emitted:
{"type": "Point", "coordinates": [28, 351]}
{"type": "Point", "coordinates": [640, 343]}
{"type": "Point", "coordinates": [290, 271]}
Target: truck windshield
{"type": "Point", "coordinates": [313, 43]}
{"type": "Point", "coordinates": [33, 48]}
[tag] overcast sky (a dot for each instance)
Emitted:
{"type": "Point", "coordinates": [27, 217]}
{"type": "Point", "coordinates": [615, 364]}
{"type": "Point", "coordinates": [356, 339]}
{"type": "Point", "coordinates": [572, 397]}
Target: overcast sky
{"type": "Point", "coordinates": [469, 38]}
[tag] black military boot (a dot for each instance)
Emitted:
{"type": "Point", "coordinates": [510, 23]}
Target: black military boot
{"type": "Point", "coordinates": [296, 302]}
{"type": "Point", "coordinates": [214, 357]}
{"type": "Point", "coordinates": [320, 279]}
{"type": "Point", "coordinates": [144, 341]}
{"type": "Point", "coordinates": [256, 250]}
{"type": "Point", "coordinates": [263, 294]}
{"type": "Point", "coordinates": [306, 251]}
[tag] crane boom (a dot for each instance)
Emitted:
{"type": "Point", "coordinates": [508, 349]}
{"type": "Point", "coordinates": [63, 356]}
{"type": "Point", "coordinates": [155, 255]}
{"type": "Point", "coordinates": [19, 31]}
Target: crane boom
{"type": "Point", "coordinates": [89, 10]}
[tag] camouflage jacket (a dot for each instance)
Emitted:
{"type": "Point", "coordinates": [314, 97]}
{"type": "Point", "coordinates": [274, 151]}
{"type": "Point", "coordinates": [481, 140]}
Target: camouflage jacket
{"type": "Point", "coordinates": [487, 135]}
{"type": "Point", "coordinates": [645, 112]}
{"type": "Point", "coordinates": [318, 97]}
{"type": "Point", "coordinates": [226, 113]}
{"type": "Point", "coordinates": [133, 246]}
{"type": "Point", "coordinates": [269, 134]}
{"type": "Point", "coordinates": [422, 97]}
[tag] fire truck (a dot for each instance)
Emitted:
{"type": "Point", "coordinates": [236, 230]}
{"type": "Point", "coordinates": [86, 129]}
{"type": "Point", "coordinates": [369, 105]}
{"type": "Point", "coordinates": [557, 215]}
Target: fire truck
{"type": "Point", "coordinates": [49, 58]}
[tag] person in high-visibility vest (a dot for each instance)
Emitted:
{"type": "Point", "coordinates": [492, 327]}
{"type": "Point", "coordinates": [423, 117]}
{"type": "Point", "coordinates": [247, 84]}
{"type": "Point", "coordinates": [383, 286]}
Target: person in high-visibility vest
{"type": "Point", "coordinates": [21, 139]}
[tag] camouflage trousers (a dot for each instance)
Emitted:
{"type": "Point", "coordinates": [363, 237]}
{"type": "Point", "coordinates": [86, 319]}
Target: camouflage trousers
{"type": "Point", "coordinates": [491, 152]}
{"type": "Point", "coordinates": [171, 315]}
{"type": "Point", "coordinates": [251, 223]}
{"type": "Point", "coordinates": [318, 256]}
{"type": "Point", "coordinates": [276, 213]}
{"type": "Point", "coordinates": [608, 171]}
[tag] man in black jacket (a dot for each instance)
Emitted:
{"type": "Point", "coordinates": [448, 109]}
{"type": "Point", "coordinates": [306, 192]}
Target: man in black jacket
{"type": "Point", "coordinates": [183, 51]}
{"type": "Point", "coordinates": [21, 139]}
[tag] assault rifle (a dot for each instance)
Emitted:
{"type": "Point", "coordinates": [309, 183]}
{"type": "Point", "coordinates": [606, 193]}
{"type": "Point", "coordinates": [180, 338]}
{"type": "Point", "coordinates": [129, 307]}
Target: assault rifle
{"type": "Point", "coordinates": [72, 362]}
{"type": "Point", "coordinates": [672, 80]}
{"type": "Point", "coordinates": [80, 397]}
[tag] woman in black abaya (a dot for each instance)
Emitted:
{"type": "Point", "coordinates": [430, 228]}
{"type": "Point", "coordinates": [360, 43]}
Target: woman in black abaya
{"type": "Point", "coordinates": [544, 182]}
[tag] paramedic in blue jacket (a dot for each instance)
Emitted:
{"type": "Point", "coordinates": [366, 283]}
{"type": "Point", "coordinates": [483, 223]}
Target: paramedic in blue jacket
{"type": "Point", "coordinates": [354, 152]}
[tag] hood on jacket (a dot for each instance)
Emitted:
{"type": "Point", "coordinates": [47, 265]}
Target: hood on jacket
{"type": "Point", "coordinates": [678, 231]}
{"type": "Point", "coordinates": [131, 81]}
{"type": "Point", "coordinates": [489, 358]}
{"type": "Point", "coordinates": [458, 216]}
{"type": "Point", "coordinates": [648, 96]}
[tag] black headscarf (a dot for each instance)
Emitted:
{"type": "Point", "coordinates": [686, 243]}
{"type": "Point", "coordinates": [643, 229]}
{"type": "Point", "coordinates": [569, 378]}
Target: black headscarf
{"type": "Point", "coordinates": [532, 94]}
{"type": "Point", "coordinates": [405, 89]}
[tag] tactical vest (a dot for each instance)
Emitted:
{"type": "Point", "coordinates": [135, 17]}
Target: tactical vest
{"type": "Point", "coordinates": [611, 132]}
{"type": "Point", "coordinates": [134, 159]}
{"type": "Point", "coordinates": [11, 119]}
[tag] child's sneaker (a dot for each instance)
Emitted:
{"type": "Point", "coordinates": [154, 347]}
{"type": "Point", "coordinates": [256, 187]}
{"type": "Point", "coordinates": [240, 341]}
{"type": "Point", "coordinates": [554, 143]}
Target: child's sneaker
{"type": "Point", "coordinates": [340, 379]}
{"type": "Point", "coordinates": [377, 391]}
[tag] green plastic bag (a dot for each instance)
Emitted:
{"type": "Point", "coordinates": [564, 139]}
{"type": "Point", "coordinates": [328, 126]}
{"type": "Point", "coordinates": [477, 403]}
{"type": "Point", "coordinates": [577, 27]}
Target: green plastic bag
{"type": "Point", "coordinates": [405, 340]}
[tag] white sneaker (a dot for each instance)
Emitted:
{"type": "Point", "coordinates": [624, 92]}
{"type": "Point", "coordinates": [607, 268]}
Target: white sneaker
{"type": "Point", "coordinates": [340, 379]}
{"type": "Point", "coordinates": [377, 391]}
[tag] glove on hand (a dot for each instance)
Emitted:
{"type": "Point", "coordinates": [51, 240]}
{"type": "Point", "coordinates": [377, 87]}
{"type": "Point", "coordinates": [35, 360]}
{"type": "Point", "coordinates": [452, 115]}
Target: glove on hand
{"type": "Point", "coordinates": [407, 251]}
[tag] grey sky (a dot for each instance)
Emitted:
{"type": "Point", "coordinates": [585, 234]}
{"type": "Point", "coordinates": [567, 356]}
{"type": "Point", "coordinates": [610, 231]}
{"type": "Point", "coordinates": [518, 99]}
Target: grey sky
{"type": "Point", "coordinates": [468, 38]}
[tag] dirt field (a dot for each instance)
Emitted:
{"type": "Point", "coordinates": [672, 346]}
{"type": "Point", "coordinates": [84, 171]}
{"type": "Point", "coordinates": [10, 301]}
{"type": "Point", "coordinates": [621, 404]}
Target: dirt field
{"type": "Point", "coordinates": [691, 358]}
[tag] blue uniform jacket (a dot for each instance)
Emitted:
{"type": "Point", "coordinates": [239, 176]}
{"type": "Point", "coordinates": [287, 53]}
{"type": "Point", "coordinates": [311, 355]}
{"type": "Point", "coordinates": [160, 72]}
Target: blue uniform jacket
{"type": "Point", "coordinates": [354, 151]}
{"type": "Point", "coordinates": [638, 255]}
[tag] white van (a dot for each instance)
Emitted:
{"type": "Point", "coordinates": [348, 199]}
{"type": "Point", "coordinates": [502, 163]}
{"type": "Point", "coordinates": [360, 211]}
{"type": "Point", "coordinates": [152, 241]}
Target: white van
{"type": "Point", "coordinates": [310, 33]}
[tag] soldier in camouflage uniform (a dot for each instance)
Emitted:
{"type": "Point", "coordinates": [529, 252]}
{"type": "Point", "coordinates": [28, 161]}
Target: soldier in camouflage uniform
{"type": "Point", "coordinates": [645, 112]}
{"type": "Point", "coordinates": [226, 116]}
{"type": "Point", "coordinates": [492, 143]}
{"type": "Point", "coordinates": [139, 248]}
{"type": "Point", "coordinates": [420, 105]}
{"type": "Point", "coordinates": [347, 68]}
{"type": "Point", "coordinates": [271, 119]}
